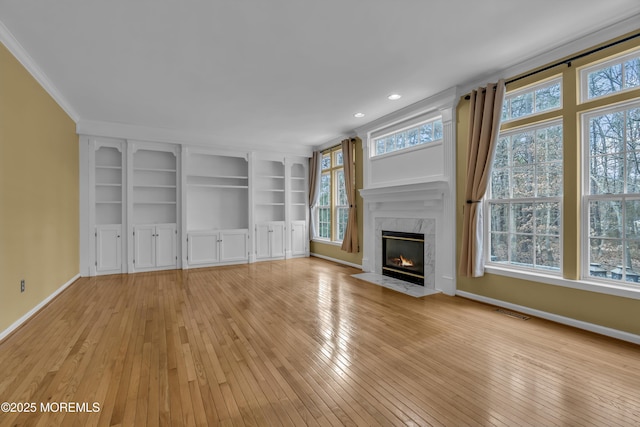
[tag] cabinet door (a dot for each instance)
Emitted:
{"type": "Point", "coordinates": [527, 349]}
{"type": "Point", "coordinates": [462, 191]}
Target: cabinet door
{"type": "Point", "coordinates": [277, 239]}
{"type": "Point", "coordinates": [144, 246]}
{"type": "Point", "coordinates": [108, 248]}
{"type": "Point", "coordinates": [166, 245]}
{"type": "Point", "coordinates": [233, 246]}
{"type": "Point", "coordinates": [263, 231]}
{"type": "Point", "coordinates": [298, 238]}
{"type": "Point", "coordinates": [203, 248]}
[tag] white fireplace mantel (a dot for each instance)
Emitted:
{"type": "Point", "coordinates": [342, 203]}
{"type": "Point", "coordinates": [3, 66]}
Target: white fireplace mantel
{"type": "Point", "coordinates": [432, 190]}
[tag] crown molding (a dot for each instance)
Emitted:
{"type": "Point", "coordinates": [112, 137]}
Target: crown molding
{"type": "Point", "coordinates": [609, 31]}
{"type": "Point", "coordinates": [16, 49]}
{"type": "Point", "coordinates": [171, 136]}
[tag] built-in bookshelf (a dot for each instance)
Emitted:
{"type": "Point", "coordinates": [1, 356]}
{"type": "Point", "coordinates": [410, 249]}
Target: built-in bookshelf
{"type": "Point", "coordinates": [217, 192]}
{"type": "Point", "coordinates": [269, 190]}
{"type": "Point", "coordinates": [108, 186]}
{"type": "Point", "coordinates": [154, 187]}
{"type": "Point", "coordinates": [298, 196]}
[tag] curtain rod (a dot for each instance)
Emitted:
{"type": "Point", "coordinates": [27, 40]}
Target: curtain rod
{"type": "Point", "coordinates": [569, 60]}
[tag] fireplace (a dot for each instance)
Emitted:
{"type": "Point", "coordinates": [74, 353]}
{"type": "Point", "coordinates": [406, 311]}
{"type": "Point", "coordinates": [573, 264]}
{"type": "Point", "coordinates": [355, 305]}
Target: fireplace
{"type": "Point", "coordinates": [403, 256]}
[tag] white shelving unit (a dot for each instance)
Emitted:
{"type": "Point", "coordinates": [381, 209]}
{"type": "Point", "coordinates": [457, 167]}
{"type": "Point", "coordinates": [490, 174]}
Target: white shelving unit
{"type": "Point", "coordinates": [154, 206]}
{"type": "Point", "coordinates": [269, 207]}
{"type": "Point", "coordinates": [108, 206]}
{"type": "Point", "coordinates": [217, 207]}
{"type": "Point", "coordinates": [298, 244]}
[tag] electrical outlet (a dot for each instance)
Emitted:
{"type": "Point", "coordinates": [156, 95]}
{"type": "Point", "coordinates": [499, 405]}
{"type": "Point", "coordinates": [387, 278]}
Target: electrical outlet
{"type": "Point", "coordinates": [22, 285]}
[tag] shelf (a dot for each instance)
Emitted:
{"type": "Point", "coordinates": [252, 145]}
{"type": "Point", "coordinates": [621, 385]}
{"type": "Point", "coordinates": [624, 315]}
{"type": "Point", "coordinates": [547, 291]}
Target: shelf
{"type": "Point", "coordinates": [154, 203]}
{"type": "Point", "coordinates": [153, 170]}
{"type": "Point", "coordinates": [109, 167]}
{"type": "Point", "coordinates": [101, 184]}
{"type": "Point", "coordinates": [271, 176]}
{"type": "Point", "coordinates": [196, 175]}
{"type": "Point", "coordinates": [298, 204]}
{"type": "Point", "coordinates": [218, 186]}
{"type": "Point", "coordinates": [270, 204]}
{"type": "Point", "coordinates": [108, 202]}
{"type": "Point", "coordinates": [153, 186]}
{"type": "Point", "coordinates": [272, 190]}
{"type": "Point", "coordinates": [298, 177]}
{"type": "Point", "coordinates": [298, 191]}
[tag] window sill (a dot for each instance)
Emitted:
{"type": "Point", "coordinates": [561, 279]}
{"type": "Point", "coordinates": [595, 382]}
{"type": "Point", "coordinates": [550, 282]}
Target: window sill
{"type": "Point", "coordinates": [326, 242]}
{"type": "Point", "coordinates": [583, 285]}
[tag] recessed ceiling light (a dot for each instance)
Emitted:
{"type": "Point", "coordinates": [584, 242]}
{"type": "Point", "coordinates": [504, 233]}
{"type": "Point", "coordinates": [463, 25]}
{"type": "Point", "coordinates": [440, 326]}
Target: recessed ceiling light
{"type": "Point", "coordinates": [394, 96]}
{"type": "Point", "coordinates": [358, 115]}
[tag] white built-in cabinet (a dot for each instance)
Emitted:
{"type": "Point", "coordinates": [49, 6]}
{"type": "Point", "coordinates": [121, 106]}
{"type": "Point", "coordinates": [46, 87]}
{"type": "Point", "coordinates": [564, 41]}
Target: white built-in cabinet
{"type": "Point", "coordinates": [153, 201]}
{"type": "Point", "coordinates": [217, 207]}
{"type": "Point", "coordinates": [298, 213]}
{"type": "Point", "coordinates": [106, 205]}
{"type": "Point", "coordinates": [270, 240]}
{"type": "Point", "coordinates": [155, 247]}
{"type": "Point", "coordinates": [153, 206]}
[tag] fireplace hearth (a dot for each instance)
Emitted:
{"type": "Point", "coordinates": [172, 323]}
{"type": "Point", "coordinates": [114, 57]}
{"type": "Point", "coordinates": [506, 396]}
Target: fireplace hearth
{"type": "Point", "coordinates": [403, 256]}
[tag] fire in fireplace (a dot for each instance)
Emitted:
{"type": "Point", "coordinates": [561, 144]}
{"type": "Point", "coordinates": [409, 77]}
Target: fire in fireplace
{"type": "Point", "coordinates": [403, 256]}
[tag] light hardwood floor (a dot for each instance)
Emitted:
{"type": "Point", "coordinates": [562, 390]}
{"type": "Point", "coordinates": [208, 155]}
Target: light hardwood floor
{"type": "Point", "coordinates": [300, 342]}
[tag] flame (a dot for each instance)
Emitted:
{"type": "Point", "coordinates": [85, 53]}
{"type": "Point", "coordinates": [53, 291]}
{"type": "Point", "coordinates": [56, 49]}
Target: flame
{"type": "Point", "coordinates": [405, 262]}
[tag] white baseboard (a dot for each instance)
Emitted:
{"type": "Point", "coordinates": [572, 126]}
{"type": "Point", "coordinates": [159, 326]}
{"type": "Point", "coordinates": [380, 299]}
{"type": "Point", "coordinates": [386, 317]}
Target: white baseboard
{"type": "Point", "coordinates": [592, 327]}
{"type": "Point", "coordinates": [37, 308]}
{"type": "Point", "coordinates": [339, 261]}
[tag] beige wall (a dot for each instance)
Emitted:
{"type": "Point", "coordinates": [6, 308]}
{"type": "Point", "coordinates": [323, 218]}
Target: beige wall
{"type": "Point", "coordinates": [601, 309]}
{"type": "Point", "coordinates": [38, 193]}
{"type": "Point", "coordinates": [333, 251]}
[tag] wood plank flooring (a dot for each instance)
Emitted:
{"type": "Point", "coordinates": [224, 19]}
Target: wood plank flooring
{"type": "Point", "coordinates": [300, 342]}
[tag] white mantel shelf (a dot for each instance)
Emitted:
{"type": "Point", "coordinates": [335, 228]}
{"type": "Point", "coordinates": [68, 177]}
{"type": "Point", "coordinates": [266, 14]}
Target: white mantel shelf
{"type": "Point", "coordinates": [420, 191]}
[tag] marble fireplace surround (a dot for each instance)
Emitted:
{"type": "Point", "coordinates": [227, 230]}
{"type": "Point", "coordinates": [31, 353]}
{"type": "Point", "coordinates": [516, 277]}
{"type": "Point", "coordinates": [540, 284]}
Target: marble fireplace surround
{"type": "Point", "coordinates": [426, 226]}
{"type": "Point", "coordinates": [414, 208]}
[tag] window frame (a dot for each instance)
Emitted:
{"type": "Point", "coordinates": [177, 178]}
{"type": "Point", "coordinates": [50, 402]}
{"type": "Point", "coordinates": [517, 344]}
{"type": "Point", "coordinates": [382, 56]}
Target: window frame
{"type": "Point", "coordinates": [335, 167]}
{"type": "Point", "coordinates": [587, 197]}
{"type": "Point", "coordinates": [510, 201]}
{"type": "Point", "coordinates": [394, 131]}
{"type": "Point", "coordinates": [583, 77]}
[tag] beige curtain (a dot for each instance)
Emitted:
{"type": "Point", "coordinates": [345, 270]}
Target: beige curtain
{"type": "Point", "coordinates": [350, 241]}
{"type": "Point", "coordinates": [484, 124]}
{"type": "Point", "coordinates": [314, 189]}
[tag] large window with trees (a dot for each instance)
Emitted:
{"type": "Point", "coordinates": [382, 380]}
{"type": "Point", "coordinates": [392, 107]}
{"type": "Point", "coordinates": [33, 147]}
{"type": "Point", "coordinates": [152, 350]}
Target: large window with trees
{"type": "Point", "coordinates": [612, 191]}
{"type": "Point", "coordinates": [564, 193]}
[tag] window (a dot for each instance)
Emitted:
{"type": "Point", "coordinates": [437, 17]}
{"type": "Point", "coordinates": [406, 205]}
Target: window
{"type": "Point", "coordinates": [424, 133]}
{"type": "Point", "coordinates": [609, 77]}
{"type": "Point", "coordinates": [564, 191]}
{"type": "Point", "coordinates": [612, 189]}
{"type": "Point", "coordinates": [542, 97]}
{"type": "Point", "coordinates": [332, 208]}
{"type": "Point", "coordinates": [525, 198]}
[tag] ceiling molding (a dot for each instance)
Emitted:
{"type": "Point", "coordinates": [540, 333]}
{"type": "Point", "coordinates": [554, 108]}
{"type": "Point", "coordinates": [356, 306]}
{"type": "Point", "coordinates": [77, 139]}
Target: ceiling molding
{"type": "Point", "coordinates": [30, 65]}
{"type": "Point", "coordinates": [602, 35]}
{"type": "Point", "coordinates": [445, 99]}
{"type": "Point", "coordinates": [151, 134]}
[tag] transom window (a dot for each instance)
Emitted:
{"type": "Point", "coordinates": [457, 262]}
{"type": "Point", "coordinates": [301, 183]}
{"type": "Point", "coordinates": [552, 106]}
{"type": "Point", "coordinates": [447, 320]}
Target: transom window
{"type": "Point", "coordinates": [545, 96]}
{"type": "Point", "coordinates": [424, 133]}
{"type": "Point", "coordinates": [613, 76]}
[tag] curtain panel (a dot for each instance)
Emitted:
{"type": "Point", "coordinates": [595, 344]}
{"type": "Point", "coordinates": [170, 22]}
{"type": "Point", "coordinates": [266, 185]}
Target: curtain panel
{"type": "Point", "coordinates": [350, 242]}
{"type": "Point", "coordinates": [314, 189]}
{"type": "Point", "coordinates": [484, 125]}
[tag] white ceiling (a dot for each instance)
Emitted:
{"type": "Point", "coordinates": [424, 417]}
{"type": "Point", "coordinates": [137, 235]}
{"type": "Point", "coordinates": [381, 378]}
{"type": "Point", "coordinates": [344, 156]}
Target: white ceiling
{"type": "Point", "coordinates": [291, 72]}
